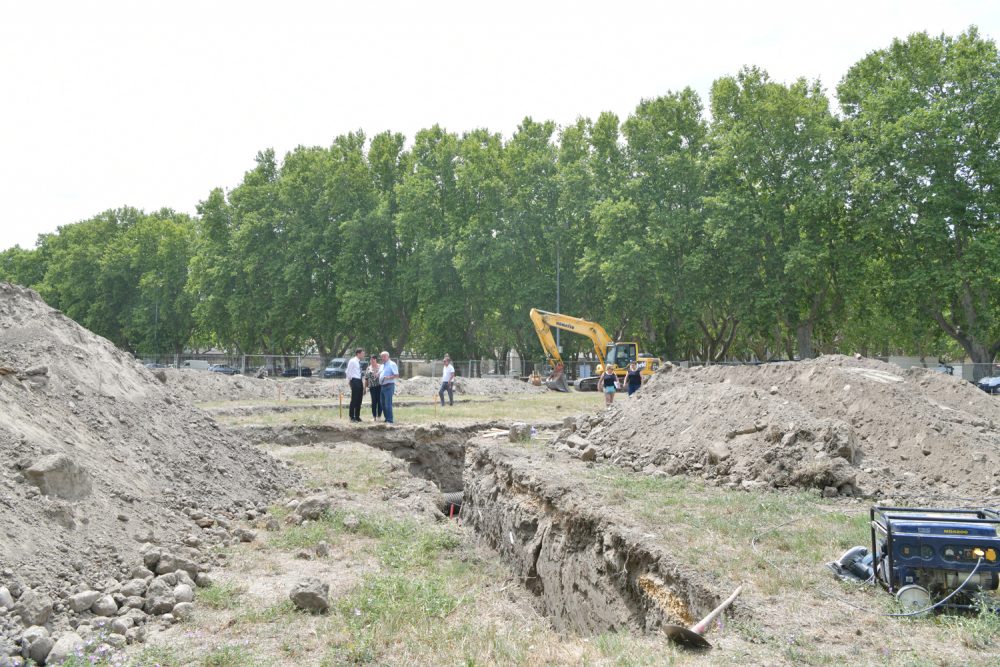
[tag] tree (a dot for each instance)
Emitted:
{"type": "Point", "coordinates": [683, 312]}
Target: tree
{"type": "Point", "coordinates": [776, 200]}
{"type": "Point", "coordinates": [923, 127]}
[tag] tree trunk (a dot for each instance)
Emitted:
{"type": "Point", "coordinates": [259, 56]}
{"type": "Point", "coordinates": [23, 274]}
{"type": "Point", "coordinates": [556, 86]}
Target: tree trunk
{"type": "Point", "coordinates": [803, 336]}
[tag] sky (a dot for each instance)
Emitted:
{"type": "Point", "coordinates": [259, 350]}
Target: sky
{"type": "Point", "coordinates": [151, 104]}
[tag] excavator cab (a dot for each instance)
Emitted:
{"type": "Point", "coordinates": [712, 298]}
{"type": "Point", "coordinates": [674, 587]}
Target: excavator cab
{"type": "Point", "coordinates": [620, 355]}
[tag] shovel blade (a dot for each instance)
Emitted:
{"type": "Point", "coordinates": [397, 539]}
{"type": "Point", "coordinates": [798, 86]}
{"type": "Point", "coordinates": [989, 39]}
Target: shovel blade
{"type": "Point", "coordinates": [678, 634]}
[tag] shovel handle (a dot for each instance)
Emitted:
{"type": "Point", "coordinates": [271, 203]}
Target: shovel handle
{"type": "Point", "coordinates": [703, 624]}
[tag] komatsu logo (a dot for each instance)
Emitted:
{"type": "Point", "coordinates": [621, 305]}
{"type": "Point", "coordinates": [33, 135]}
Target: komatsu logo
{"type": "Point", "coordinates": [566, 324]}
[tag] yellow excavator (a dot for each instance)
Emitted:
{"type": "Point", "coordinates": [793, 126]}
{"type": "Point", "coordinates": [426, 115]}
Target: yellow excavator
{"type": "Point", "coordinates": [615, 355]}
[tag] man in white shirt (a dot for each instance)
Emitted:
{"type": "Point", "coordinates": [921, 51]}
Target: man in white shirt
{"type": "Point", "coordinates": [356, 384]}
{"type": "Point", "coordinates": [387, 380]}
{"type": "Point", "coordinates": [447, 382]}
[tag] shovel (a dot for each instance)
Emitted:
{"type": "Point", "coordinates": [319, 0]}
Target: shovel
{"type": "Point", "coordinates": [692, 637]}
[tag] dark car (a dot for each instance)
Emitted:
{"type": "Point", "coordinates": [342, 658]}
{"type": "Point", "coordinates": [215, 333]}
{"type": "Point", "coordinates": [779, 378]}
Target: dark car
{"type": "Point", "coordinates": [990, 385]}
{"type": "Point", "coordinates": [304, 372]}
{"type": "Point", "coordinates": [224, 369]}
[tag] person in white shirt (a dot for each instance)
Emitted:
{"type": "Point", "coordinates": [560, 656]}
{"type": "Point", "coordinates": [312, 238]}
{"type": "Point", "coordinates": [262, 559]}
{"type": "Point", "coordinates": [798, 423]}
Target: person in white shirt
{"type": "Point", "coordinates": [356, 384]}
{"type": "Point", "coordinates": [387, 380]}
{"type": "Point", "coordinates": [447, 382]}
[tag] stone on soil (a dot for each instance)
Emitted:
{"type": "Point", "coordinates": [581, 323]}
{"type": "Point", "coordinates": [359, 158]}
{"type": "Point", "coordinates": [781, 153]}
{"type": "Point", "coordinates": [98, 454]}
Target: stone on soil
{"type": "Point", "coordinates": [311, 594]}
{"type": "Point", "coordinates": [65, 646]}
{"type": "Point", "coordinates": [59, 476]}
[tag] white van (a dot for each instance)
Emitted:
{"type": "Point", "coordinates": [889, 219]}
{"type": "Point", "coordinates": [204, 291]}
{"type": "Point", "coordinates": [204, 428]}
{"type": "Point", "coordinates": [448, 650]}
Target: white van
{"type": "Point", "coordinates": [196, 364]}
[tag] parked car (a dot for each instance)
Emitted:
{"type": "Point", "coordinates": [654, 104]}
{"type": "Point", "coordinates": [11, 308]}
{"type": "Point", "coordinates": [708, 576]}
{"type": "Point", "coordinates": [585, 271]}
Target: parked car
{"type": "Point", "coordinates": [153, 364]}
{"type": "Point", "coordinates": [337, 368]}
{"type": "Point", "coordinates": [990, 385]}
{"type": "Point", "coordinates": [224, 369]}
{"type": "Point", "coordinates": [304, 372]}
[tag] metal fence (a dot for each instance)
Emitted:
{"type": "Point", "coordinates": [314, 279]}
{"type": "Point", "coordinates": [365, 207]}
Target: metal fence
{"type": "Point", "coordinates": [293, 365]}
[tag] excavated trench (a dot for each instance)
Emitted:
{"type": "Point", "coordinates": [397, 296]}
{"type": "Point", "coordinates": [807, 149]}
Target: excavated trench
{"type": "Point", "coordinates": [435, 452]}
{"type": "Point", "coordinates": [591, 570]}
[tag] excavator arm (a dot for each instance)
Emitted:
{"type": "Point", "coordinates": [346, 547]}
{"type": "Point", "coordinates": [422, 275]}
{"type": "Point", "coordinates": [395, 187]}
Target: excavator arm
{"type": "Point", "coordinates": [544, 321]}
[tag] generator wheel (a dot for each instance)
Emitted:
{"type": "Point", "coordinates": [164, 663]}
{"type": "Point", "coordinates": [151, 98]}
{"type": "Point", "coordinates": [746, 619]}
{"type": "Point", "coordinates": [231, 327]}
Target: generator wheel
{"type": "Point", "coordinates": [913, 598]}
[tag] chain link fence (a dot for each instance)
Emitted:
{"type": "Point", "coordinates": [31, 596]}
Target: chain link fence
{"type": "Point", "coordinates": [985, 376]}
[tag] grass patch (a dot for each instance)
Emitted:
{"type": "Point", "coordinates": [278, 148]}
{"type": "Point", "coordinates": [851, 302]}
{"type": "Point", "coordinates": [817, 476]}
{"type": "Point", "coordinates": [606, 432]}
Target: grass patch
{"type": "Point", "coordinates": [383, 609]}
{"type": "Point", "coordinates": [425, 409]}
{"type": "Point", "coordinates": [230, 655]}
{"type": "Point", "coordinates": [327, 466]}
{"type": "Point", "coordinates": [220, 596]}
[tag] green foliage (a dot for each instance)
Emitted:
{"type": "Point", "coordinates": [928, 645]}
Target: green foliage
{"type": "Point", "coordinates": [774, 229]}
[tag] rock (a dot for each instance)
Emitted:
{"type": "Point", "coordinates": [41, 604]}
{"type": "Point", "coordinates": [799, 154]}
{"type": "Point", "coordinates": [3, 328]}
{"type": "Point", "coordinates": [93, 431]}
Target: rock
{"type": "Point", "coordinates": [116, 640]}
{"type": "Point", "coordinates": [33, 608]}
{"type": "Point", "coordinates": [150, 559]}
{"type": "Point", "coordinates": [322, 550]}
{"type": "Point", "coordinates": [204, 580]}
{"type": "Point", "coordinates": [830, 492]}
{"type": "Point", "coordinates": [310, 594]}
{"type": "Point", "coordinates": [39, 649]}
{"type": "Point", "coordinates": [134, 587]}
{"type": "Point", "coordinates": [183, 611]}
{"type": "Point", "coordinates": [183, 593]}
{"type": "Point", "coordinates": [170, 562]}
{"type": "Point", "coordinates": [59, 476]}
{"type": "Point", "coordinates": [105, 606]}
{"type": "Point", "coordinates": [184, 578]}
{"type": "Point", "coordinates": [589, 454]}
{"type": "Point", "coordinates": [773, 390]}
{"type": "Point", "coordinates": [121, 625]}
{"type": "Point", "coordinates": [519, 432]}
{"type": "Point", "coordinates": [159, 598]}
{"type": "Point", "coordinates": [313, 507]}
{"type": "Point", "coordinates": [576, 442]}
{"type": "Point", "coordinates": [245, 535]}
{"type": "Point", "coordinates": [6, 599]}
{"type": "Point", "coordinates": [351, 522]}
{"type": "Point", "coordinates": [717, 452]}
{"type": "Point", "coordinates": [65, 646]}
{"type": "Point", "coordinates": [83, 601]}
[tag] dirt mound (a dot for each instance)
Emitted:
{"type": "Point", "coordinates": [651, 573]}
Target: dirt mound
{"type": "Point", "coordinates": [841, 424]}
{"type": "Point", "coordinates": [197, 386]}
{"type": "Point", "coordinates": [98, 458]}
{"type": "Point", "coordinates": [426, 386]}
{"type": "Point", "coordinates": [203, 386]}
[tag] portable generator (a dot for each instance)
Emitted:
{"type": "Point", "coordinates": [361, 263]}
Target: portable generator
{"type": "Point", "coordinates": [936, 557]}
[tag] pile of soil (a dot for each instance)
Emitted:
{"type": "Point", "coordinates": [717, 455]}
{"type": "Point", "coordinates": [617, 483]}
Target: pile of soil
{"type": "Point", "coordinates": [427, 386]}
{"type": "Point", "coordinates": [847, 426]}
{"type": "Point", "coordinates": [99, 459]}
{"type": "Point", "coordinates": [203, 386]}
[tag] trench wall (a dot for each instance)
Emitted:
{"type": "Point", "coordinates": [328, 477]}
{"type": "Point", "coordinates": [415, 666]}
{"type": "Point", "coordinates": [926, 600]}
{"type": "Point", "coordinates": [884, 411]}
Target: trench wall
{"type": "Point", "coordinates": [592, 570]}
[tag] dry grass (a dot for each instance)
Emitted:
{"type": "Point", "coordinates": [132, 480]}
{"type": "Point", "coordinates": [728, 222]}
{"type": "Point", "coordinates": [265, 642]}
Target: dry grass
{"type": "Point", "coordinates": [410, 410]}
{"type": "Point", "coordinates": [408, 592]}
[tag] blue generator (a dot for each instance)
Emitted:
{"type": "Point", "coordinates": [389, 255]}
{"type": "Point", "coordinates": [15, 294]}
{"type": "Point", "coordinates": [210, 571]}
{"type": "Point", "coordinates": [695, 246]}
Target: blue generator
{"type": "Point", "coordinates": [947, 558]}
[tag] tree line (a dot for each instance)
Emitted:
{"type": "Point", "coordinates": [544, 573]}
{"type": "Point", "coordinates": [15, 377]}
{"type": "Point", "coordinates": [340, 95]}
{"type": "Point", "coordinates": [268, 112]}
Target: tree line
{"type": "Point", "coordinates": [767, 226]}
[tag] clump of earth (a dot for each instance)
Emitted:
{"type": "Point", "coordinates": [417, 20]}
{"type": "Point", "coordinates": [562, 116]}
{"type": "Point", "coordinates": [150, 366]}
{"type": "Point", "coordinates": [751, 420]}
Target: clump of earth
{"type": "Point", "coordinates": [843, 425]}
{"type": "Point", "coordinates": [101, 465]}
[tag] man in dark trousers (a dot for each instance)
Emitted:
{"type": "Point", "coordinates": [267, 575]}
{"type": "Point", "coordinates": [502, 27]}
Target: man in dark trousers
{"type": "Point", "coordinates": [357, 385]}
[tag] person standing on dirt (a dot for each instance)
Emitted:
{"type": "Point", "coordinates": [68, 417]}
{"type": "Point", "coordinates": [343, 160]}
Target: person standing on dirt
{"type": "Point", "coordinates": [356, 384]}
{"type": "Point", "coordinates": [447, 382]}
{"type": "Point", "coordinates": [609, 385]}
{"type": "Point", "coordinates": [633, 377]}
{"type": "Point", "coordinates": [373, 387]}
{"type": "Point", "coordinates": [387, 380]}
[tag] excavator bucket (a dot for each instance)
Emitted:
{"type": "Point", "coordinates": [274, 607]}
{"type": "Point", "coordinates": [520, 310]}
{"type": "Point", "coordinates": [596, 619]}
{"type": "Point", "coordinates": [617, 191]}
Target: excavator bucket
{"type": "Point", "coordinates": [557, 382]}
